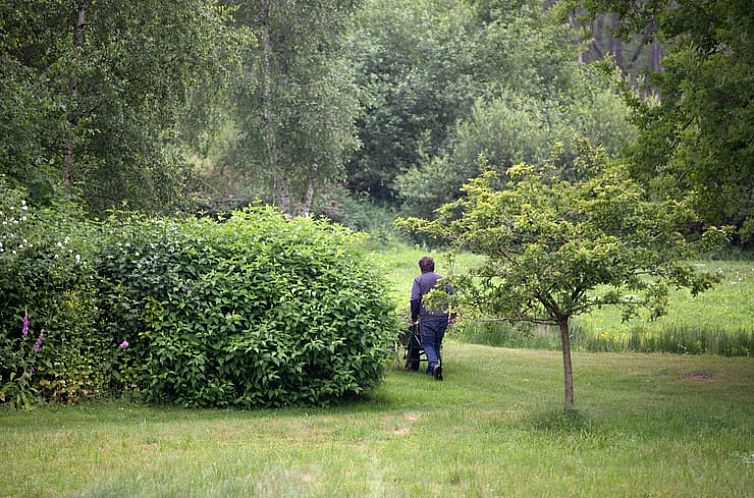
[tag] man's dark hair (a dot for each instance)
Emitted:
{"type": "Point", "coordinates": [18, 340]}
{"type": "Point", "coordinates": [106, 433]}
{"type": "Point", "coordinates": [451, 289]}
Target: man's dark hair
{"type": "Point", "coordinates": [426, 264]}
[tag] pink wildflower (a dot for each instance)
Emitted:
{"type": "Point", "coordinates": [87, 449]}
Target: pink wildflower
{"type": "Point", "coordinates": [39, 342]}
{"type": "Point", "coordinates": [25, 328]}
{"type": "Point", "coordinates": [124, 344]}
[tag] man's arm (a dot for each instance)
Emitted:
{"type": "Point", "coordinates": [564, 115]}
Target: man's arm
{"type": "Point", "coordinates": [416, 301]}
{"type": "Point", "coordinates": [416, 306]}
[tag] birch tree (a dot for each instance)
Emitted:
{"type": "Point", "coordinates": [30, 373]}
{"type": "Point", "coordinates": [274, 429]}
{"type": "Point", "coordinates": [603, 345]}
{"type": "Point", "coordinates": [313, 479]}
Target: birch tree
{"type": "Point", "coordinates": [91, 91]}
{"type": "Point", "coordinates": [296, 101]}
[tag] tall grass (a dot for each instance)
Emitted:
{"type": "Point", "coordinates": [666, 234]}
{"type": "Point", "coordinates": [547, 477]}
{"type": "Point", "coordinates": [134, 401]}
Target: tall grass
{"type": "Point", "coordinates": [670, 339]}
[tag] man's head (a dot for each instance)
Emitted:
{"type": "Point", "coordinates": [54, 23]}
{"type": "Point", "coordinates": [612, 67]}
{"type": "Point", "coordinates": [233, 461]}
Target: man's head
{"type": "Point", "coordinates": [426, 264]}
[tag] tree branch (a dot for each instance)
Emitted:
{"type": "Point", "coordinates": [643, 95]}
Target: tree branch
{"type": "Point", "coordinates": [640, 47]}
{"type": "Point", "coordinates": [527, 319]}
{"type": "Point", "coordinates": [598, 48]}
{"type": "Point", "coordinates": [587, 306]}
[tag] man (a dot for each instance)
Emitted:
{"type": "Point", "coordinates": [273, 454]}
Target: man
{"type": "Point", "coordinates": [432, 323]}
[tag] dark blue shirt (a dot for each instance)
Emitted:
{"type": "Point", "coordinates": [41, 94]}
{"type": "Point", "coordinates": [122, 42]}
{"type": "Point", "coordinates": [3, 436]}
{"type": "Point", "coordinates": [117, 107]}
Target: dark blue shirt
{"type": "Point", "coordinates": [421, 287]}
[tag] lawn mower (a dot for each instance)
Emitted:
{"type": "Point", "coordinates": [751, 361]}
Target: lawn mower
{"type": "Point", "coordinates": [411, 341]}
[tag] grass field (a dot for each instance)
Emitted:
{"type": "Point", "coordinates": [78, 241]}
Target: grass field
{"type": "Point", "coordinates": [649, 425]}
{"type": "Point", "coordinates": [719, 321]}
{"type": "Point", "coordinates": [400, 265]}
{"type": "Point", "coordinates": [727, 310]}
{"type": "Point", "coordinates": [646, 425]}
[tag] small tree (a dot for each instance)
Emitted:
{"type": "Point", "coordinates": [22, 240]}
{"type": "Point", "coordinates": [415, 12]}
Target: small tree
{"type": "Point", "coordinates": [556, 248]}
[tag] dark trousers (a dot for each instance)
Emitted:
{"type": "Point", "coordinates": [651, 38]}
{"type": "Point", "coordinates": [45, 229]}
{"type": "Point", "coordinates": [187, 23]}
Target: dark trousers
{"type": "Point", "coordinates": [432, 333]}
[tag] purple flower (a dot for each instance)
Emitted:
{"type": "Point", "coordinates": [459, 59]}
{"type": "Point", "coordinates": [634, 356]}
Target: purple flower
{"type": "Point", "coordinates": [39, 342]}
{"type": "Point", "coordinates": [124, 344]}
{"type": "Point", "coordinates": [25, 328]}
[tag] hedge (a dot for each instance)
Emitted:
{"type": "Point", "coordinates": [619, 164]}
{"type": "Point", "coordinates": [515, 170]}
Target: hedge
{"type": "Point", "coordinates": [255, 310]}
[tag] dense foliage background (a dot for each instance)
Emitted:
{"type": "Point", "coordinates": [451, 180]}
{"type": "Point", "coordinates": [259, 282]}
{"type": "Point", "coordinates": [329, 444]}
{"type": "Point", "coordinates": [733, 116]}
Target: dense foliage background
{"type": "Point", "coordinates": [336, 107]}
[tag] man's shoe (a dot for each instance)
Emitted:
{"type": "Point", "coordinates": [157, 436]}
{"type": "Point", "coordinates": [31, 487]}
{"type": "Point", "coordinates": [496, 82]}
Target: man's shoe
{"type": "Point", "coordinates": [437, 372]}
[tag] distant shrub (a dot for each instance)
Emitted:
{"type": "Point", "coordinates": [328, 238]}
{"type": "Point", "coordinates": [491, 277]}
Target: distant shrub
{"type": "Point", "coordinates": [358, 212]}
{"type": "Point", "coordinates": [253, 311]}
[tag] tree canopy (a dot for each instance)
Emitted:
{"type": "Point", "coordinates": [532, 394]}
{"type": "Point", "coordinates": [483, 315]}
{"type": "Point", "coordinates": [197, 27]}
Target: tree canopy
{"type": "Point", "coordinates": [697, 135]}
{"type": "Point", "coordinates": [209, 104]}
{"type": "Point", "coordinates": [91, 91]}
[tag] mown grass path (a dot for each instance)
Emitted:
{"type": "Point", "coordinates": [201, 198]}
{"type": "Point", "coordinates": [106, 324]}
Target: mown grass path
{"type": "Point", "coordinates": [646, 425]}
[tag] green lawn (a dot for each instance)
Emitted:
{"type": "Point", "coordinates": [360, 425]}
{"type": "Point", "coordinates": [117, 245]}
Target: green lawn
{"type": "Point", "coordinates": [646, 425]}
{"type": "Point", "coordinates": [729, 306]}
{"type": "Point", "coordinates": [400, 265]}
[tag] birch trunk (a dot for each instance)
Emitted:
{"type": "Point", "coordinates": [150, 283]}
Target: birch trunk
{"type": "Point", "coordinates": [78, 42]}
{"type": "Point", "coordinates": [285, 196]}
{"type": "Point", "coordinates": [616, 44]}
{"type": "Point", "coordinates": [270, 134]}
{"type": "Point", "coordinates": [655, 57]}
{"type": "Point", "coordinates": [306, 208]}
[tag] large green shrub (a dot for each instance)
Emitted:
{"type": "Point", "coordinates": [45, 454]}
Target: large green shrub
{"type": "Point", "coordinates": [46, 276]}
{"type": "Point", "coordinates": [252, 311]}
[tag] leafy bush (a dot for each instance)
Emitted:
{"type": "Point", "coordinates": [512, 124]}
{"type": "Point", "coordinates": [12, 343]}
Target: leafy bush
{"type": "Point", "coordinates": [46, 277]}
{"type": "Point", "coordinates": [253, 311]}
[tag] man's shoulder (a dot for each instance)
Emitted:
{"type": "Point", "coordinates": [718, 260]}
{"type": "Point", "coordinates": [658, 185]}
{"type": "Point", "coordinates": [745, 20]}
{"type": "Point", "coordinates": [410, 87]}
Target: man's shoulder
{"type": "Point", "coordinates": [428, 277]}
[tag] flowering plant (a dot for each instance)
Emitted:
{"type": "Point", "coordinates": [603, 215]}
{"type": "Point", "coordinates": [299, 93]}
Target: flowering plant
{"type": "Point", "coordinates": [18, 391]}
{"type": "Point", "coordinates": [46, 254]}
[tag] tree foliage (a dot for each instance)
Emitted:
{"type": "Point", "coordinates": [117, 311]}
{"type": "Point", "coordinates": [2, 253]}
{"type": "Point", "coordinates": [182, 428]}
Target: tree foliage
{"type": "Point", "coordinates": [529, 93]}
{"type": "Point", "coordinates": [697, 136]}
{"type": "Point", "coordinates": [294, 102]}
{"type": "Point", "coordinates": [91, 92]}
{"type": "Point", "coordinates": [557, 248]}
{"type": "Point", "coordinates": [416, 69]}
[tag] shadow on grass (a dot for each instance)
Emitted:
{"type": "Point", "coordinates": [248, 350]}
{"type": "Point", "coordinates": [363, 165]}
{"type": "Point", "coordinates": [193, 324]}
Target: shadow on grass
{"type": "Point", "coordinates": [572, 429]}
{"type": "Point", "coordinates": [559, 421]}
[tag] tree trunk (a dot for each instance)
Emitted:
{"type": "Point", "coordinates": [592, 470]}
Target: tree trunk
{"type": "Point", "coordinates": [597, 47]}
{"type": "Point", "coordinates": [285, 196]}
{"type": "Point", "coordinates": [616, 44]}
{"type": "Point", "coordinates": [306, 207]}
{"type": "Point", "coordinates": [270, 133]}
{"type": "Point", "coordinates": [654, 65]}
{"type": "Point", "coordinates": [655, 57]}
{"type": "Point", "coordinates": [78, 42]}
{"type": "Point", "coordinates": [567, 368]}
